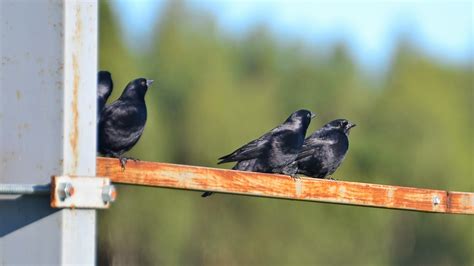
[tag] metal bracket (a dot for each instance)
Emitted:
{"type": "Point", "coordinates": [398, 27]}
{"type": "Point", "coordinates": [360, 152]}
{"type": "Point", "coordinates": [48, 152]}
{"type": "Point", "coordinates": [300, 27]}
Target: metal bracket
{"type": "Point", "coordinates": [81, 192]}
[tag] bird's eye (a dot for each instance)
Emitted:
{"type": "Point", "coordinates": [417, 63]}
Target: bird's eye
{"type": "Point", "coordinates": [308, 115]}
{"type": "Point", "coordinates": [344, 123]}
{"type": "Point", "coordinates": [143, 83]}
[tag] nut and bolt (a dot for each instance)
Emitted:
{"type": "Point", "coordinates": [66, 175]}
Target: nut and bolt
{"type": "Point", "coordinates": [66, 190]}
{"type": "Point", "coordinates": [436, 200]}
{"type": "Point", "coordinates": [109, 193]}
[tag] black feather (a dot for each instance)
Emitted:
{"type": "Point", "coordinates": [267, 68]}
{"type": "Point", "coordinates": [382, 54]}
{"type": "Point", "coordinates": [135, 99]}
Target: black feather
{"type": "Point", "coordinates": [122, 122]}
{"type": "Point", "coordinates": [105, 87]}
{"type": "Point", "coordinates": [324, 151]}
{"type": "Point", "coordinates": [275, 151]}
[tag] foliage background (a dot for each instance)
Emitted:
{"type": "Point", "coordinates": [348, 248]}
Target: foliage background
{"type": "Point", "coordinates": [215, 91]}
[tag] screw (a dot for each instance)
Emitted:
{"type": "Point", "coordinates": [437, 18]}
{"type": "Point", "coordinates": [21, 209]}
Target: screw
{"type": "Point", "coordinates": [66, 190]}
{"type": "Point", "coordinates": [436, 200]}
{"type": "Point", "coordinates": [109, 193]}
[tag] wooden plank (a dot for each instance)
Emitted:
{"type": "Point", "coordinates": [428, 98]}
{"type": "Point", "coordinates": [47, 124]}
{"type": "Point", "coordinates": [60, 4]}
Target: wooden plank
{"type": "Point", "coordinates": [281, 186]}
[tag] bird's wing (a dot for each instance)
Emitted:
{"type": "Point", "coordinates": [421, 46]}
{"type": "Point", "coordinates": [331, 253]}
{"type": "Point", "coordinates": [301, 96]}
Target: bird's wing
{"type": "Point", "coordinates": [306, 151]}
{"type": "Point", "coordinates": [114, 108]}
{"type": "Point", "coordinates": [119, 112]}
{"type": "Point", "coordinates": [313, 146]}
{"type": "Point", "coordinates": [318, 141]}
{"type": "Point", "coordinates": [256, 147]}
{"type": "Point", "coordinates": [119, 128]}
{"type": "Point", "coordinates": [249, 151]}
{"type": "Point", "coordinates": [247, 165]}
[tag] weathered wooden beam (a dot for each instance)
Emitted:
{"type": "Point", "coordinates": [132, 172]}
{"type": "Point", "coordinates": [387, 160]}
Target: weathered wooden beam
{"type": "Point", "coordinates": [281, 186]}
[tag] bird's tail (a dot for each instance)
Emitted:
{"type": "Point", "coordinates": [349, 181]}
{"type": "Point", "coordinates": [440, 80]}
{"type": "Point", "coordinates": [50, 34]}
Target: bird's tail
{"type": "Point", "coordinates": [225, 159]}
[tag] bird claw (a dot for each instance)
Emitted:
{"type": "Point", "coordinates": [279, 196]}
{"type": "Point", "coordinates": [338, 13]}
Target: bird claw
{"type": "Point", "coordinates": [295, 177]}
{"type": "Point", "coordinates": [331, 178]}
{"type": "Point", "coordinates": [291, 170]}
{"type": "Point", "coordinates": [123, 161]}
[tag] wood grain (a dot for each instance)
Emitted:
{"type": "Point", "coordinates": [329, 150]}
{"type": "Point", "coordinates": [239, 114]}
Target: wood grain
{"type": "Point", "coordinates": [281, 186]}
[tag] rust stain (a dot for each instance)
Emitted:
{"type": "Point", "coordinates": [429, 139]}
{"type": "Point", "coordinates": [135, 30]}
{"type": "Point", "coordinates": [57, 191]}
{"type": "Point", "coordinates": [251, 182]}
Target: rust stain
{"type": "Point", "coordinates": [459, 202]}
{"type": "Point", "coordinates": [74, 135]}
{"type": "Point", "coordinates": [18, 95]}
{"type": "Point", "coordinates": [114, 194]}
{"type": "Point", "coordinates": [78, 31]}
{"type": "Point", "coordinates": [72, 191]}
{"type": "Point", "coordinates": [53, 195]}
{"type": "Point", "coordinates": [280, 186]}
{"type": "Point", "coordinates": [448, 201]}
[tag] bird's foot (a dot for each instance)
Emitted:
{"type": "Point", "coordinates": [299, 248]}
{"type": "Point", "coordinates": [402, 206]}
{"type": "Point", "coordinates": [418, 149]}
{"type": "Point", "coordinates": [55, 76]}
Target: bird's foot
{"type": "Point", "coordinates": [295, 177]}
{"type": "Point", "coordinates": [123, 161]}
{"type": "Point", "coordinates": [331, 178]}
{"type": "Point", "coordinates": [291, 170]}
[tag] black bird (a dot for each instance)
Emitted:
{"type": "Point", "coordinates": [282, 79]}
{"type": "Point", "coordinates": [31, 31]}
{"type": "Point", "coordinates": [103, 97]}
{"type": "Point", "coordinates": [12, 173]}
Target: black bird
{"type": "Point", "coordinates": [104, 89]}
{"type": "Point", "coordinates": [122, 122]}
{"type": "Point", "coordinates": [274, 152]}
{"type": "Point", "coordinates": [324, 151]}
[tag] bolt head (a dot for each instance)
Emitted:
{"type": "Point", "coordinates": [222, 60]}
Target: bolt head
{"type": "Point", "coordinates": [436, 200]}
{"type": "Point", "coordinates": [109, 193]}
{"type": "Point", "coordinates": [66, 190]}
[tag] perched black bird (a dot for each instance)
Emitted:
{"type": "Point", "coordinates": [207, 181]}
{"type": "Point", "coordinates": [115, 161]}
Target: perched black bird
{"type": "Point", "coordinates": [325, 149]}
{"type": "Point", "coordinates": [122, 122]}
{"type": "Point", "coordinates": [274, 152]}
{"type": "Point", "coordinates": [104, 89]}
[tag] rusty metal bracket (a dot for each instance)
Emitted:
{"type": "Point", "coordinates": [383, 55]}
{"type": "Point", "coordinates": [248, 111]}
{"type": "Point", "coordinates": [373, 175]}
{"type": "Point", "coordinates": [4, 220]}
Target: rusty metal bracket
{"type": "Point", "coordinates": [82, 192]}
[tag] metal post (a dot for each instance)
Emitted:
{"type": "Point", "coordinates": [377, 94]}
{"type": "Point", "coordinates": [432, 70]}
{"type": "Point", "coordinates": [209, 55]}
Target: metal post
{"type": "Point", "coordinates": [48, 72]}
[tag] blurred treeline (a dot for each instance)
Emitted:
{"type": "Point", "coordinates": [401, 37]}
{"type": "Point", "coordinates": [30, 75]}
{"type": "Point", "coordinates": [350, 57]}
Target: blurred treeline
{"type": "Point", "coordinates": [214, 92]}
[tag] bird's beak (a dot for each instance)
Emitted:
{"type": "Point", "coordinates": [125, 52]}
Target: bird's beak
{"type": "Point", "coordinates": [149, 82]}
{"type": "Point", "coordinates": [313, 115]}
{"type": "Point", "coordinates": [351, 125]}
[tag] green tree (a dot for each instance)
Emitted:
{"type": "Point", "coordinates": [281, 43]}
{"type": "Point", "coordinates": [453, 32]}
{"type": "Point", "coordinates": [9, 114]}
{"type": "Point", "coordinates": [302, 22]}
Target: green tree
{"type": "Point", "coordinates": [215, 91]}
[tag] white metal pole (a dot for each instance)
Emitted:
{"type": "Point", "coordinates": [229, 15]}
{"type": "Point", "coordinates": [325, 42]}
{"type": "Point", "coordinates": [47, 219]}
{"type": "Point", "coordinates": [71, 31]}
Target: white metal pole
{"type": "Point", "coordinates": [48, 72]}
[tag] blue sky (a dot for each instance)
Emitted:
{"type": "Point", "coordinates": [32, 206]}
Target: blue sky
{"type": "Point", "coordinates": [441, 28]}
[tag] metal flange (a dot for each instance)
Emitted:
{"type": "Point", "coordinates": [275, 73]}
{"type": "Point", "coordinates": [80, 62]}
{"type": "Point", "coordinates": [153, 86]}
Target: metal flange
{"type": "Point", "coordinates": [82, 192]}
